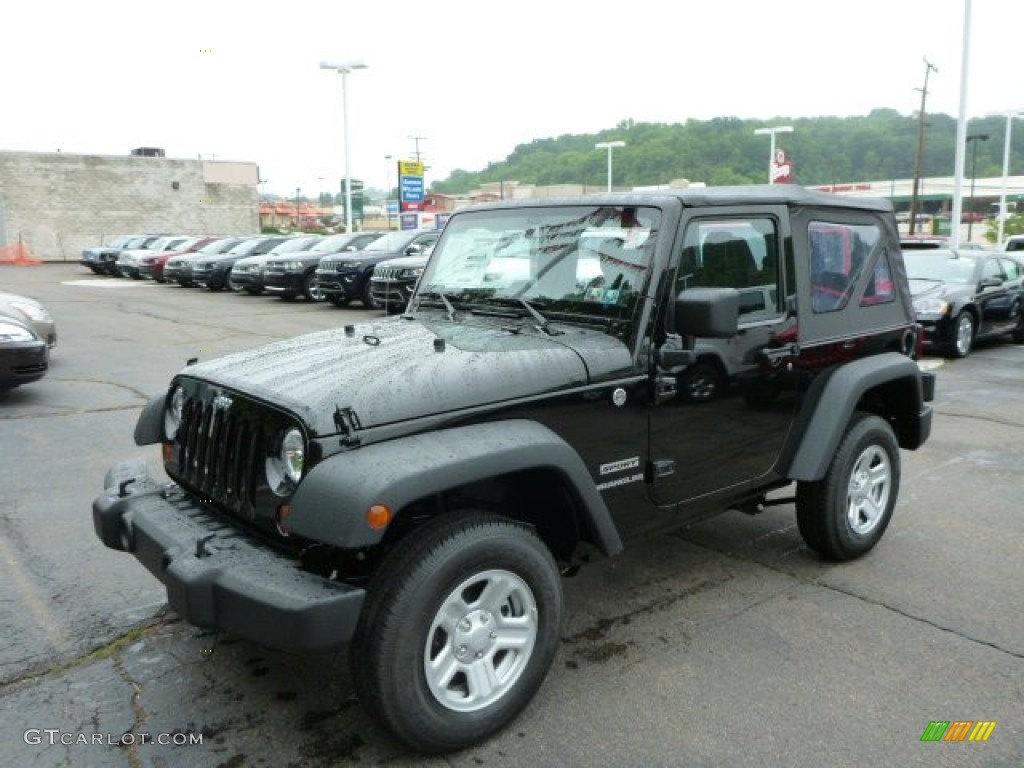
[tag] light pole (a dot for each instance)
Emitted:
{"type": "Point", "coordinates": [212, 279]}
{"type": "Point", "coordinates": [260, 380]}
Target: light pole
{"type": "Point", "coordinates": [975, 138]}
{"type": "Point", "coordinates": [1006, 173]}
{"type": "Point", "coordinates": [771, 153]}
{"type": "Point", "coordinates": [343, 68]}
{"type": "Point", "coordinates": [387, 187]}
{"type": "Point", "coordinates": [609, 145]}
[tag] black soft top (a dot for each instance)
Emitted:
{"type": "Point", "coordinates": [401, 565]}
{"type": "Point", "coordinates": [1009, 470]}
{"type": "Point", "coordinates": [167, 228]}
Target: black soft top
{"type": "Point", "coordinates": [751, 194]}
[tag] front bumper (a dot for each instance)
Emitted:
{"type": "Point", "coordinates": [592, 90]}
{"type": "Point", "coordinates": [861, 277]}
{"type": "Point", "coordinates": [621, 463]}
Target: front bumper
{"type": "Point", "coordinates": [288, 282]}
{"type": "Point", "coordinates": [23, 362]}
{"type": "Point", "coordinates": [349, 284]}
{"type": "Point", "coordinates": [218, 576]}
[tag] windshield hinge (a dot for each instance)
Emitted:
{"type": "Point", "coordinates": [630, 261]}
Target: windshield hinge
{"type": "Point", "coordinates": [347, 423]}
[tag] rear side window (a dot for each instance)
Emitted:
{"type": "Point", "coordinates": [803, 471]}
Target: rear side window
{"type": "Point", "coordinates": [840, 258]}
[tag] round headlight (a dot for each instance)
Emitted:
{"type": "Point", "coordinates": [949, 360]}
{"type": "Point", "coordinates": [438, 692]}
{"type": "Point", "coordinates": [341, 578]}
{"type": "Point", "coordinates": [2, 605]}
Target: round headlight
{"type": "Point", "coordinates": [284, 468]}
{"type": "Point", "coordinates": [173, 411]}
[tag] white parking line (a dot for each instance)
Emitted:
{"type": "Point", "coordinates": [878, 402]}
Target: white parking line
{"type": "Point", "coordinates": [111, 283]}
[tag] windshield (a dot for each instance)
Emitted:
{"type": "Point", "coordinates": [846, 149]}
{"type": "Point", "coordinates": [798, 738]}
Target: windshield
{"type": "Point", "coordinates": [581, 260]}
{"type": "Point", "coordinates": [939, 265]}
{"type": "Point", "coordinates": [393, 241]}
{"type": "Point", "coordinates": [219, 246]}
{"type": "Point", "coordinates": [246, 246]}
{"type": "Point", "coordinates": [294, 244]}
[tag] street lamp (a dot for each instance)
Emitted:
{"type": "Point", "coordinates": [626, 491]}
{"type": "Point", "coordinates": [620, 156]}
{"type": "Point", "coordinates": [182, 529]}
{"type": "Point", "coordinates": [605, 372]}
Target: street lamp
{"type": "Point", "coordinates": [1006, 173]}
{"type": "Point", "coordinates": [343, 68]}
{"type": "Point", "coordinates": [771, 153]}
{"type": "Point", "coordinates": [974, 137]}
{"type": "Point", "coordinates": [387, 187]}
{"type": "Point", "coordinates": [609, 145]}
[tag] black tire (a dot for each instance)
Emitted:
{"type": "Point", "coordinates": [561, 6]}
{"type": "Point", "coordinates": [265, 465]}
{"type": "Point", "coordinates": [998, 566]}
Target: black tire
{"type": "Point", "coordinates": [843, 515]}
{"type": "Point", "coordinates": [701, 382]}
{"type": "Point", "coordinates": [340, 300]}
{"type": "Point", "coordinates": [480, 596]}
{"type": "Point", "coordinates": [962, 342]}
{"type": "Point", "coordinates": [310, 289]}
{"type": "Point", "coordinates": [367, 297]}
{"type": "Point", "coordinates": [1018, 332]}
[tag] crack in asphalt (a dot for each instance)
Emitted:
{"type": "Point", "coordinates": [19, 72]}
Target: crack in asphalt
{"type": "Point", "coordinates": [107, 650]}
{"type": "Point", "coordinates": [862, 598]}
{"type": "Point", "coordinates": [978, 417]}
{"type": "Point", "coordinates": [138, 711]}
{"type": "Point", "coordinates": [61, 412]}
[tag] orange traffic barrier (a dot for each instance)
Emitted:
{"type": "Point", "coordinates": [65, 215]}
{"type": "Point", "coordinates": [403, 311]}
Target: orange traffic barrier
{"type": "Point", "coordinates": [17, 254]}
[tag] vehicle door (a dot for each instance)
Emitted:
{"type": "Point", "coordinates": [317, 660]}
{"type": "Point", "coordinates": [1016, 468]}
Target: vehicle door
{"type": "Point", "coordinates": [703, 447]}
{"type": "Point", "coordinates": [994, 297]}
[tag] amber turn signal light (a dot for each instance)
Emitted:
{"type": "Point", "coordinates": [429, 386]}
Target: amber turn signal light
{"type": "Point", "coordinates": [378, 516]}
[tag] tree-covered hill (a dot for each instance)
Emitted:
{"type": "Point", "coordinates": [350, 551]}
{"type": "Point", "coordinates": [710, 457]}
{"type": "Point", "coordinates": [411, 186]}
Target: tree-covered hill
{"type": "Point", "coordinates": [725, 150]}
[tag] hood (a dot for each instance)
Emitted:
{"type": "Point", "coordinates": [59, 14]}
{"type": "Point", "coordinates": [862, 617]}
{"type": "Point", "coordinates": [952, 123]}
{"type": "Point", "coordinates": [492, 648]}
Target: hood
{"type": "Point", "coordinates": [920, 289]}
{"type": "Point", "coordinates": [406, 262]}
{"type": "Point", "coordinates": [397, 369]}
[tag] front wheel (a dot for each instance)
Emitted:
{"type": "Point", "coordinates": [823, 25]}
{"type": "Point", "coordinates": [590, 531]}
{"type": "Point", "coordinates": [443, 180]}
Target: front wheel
{"type": "Point", "coordinates": [843, 515]}
{"type": "Point", "coordinates": [459, 629]}
{"type": "Point", "coordinates": [963, 335]}
{"type": "Point", "coordinates": [700, 382]}
{"type": "Point", "coordinates": [311, 289]}
{"type": "Point", "coordinates": [367, 297]}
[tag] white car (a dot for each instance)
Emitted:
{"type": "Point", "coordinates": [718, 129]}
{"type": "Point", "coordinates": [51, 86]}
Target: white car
{"type": "Point", "coordinates": [31, 313]}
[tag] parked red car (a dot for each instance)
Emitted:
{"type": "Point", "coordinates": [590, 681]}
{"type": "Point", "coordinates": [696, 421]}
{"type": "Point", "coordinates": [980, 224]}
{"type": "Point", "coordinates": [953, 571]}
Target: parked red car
{"type": "Point", "coordinates": [152, 267]}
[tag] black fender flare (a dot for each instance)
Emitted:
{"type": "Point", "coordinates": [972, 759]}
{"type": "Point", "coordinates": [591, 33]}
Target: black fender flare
{"type": "Point", "coordinates": [831, 401]}
{"type": "Point", "coordinates": [331, 502]}
{"type": "Point", "coordinates": [149, 429]}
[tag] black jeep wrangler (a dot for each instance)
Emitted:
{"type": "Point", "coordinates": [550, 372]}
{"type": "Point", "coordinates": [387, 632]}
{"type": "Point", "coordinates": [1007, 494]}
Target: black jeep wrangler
{"type": "Point", "coordinates": [415, 487]}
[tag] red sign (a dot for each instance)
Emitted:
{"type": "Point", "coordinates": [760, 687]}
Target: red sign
{"type": "Point", "coordinates": [782, 168]}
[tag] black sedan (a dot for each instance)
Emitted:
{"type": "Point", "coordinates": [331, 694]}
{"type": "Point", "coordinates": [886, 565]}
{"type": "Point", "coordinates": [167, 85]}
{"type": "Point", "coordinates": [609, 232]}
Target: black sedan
{"type": "Point", "coordinates": [962, 296]}
{"type": "Point", "coordinates": [347, 276]}
{"type": "Point", "coordinates": [24, 355]}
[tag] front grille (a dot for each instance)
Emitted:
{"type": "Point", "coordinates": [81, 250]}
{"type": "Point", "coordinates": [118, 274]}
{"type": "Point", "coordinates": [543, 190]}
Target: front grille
{"type": "Point", "coordinates": [386, 273]}
{"type": "Point", "coordinates": [219, 455]}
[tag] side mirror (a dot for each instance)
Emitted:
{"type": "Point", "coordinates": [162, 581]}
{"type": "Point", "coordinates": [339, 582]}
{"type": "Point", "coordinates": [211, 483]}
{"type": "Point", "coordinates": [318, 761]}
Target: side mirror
{"type": "Point", "coordinates": [710, 313]}
{"type": "Point", "coordinates": [414, 249]}
{"type": "Point", "coordinates": [989, 282]}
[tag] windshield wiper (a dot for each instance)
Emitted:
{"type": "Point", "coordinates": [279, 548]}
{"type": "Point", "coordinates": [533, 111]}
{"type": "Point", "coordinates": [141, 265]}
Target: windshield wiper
{"type": "Point", "coordinates": [543, 323]}
{"type": "Point", "coordinates": [449, 308]}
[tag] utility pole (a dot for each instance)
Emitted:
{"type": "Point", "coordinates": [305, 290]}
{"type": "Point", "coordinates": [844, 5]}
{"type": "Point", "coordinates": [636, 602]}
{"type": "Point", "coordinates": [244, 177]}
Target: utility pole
{"type": "Point", "coordinates": [929, 67]}
{"type": "Point", "coordinates": [418, 139]}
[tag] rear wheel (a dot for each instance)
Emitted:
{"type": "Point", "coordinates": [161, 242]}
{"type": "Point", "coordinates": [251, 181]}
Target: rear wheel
{"type": "Point", "coordinates": [844, 514]}
{"type": "Point", "coordinates": [459, 629]}
{"type": "Point", "coordinates": [1018, 331]}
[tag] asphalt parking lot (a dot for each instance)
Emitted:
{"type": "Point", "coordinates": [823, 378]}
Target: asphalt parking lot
{"type": "Point", "coordinates": [724, 644]}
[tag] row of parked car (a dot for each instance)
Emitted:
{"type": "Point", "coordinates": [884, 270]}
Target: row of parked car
{"type": "Point", "coordinates": [960, 296]}
{"type": "Point", "coordinates": [378, 269]}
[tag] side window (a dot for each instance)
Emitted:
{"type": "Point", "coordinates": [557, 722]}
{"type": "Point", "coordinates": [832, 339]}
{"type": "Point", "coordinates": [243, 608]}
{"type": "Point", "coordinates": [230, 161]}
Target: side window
{"type": "Point", "coordinates": [839, 255]}
{"type": "Point", "coordinates": [734, 253]}
{"type": "Point", "coordinates": [1011, 269]}
{"type": "Point", "coordinates": [880, 289]}
{"type": "Point", "coordinates": [991, 268]}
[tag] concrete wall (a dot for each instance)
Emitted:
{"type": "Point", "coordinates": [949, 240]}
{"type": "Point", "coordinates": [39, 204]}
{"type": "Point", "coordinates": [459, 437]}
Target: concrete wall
{"type": "Point", "coordinates": [59, 203]}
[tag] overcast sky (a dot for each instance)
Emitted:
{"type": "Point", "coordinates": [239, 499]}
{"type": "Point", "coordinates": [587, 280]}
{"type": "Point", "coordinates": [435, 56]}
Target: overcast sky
{"type": "Point", "coordinates": [241, 80]}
